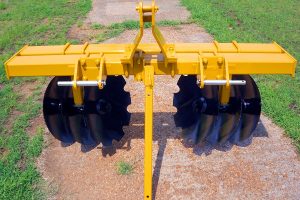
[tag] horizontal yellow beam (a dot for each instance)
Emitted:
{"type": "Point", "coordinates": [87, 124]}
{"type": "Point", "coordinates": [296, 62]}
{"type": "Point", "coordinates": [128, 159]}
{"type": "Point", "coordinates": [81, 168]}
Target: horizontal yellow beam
{"type": "Point", "coordinates": [60, 60]}
{"type": "Point", "coordinates": [152, 48]}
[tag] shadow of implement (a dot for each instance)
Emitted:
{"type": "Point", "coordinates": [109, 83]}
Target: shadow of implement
{"type": "Point", "coordinates": [163, 129]}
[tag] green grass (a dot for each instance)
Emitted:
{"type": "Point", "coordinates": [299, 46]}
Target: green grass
{"type": "Point", "coordinates": [19, 176]}
{"type": "Point", "coordinates": [3, 6]}
{"type": "Point", "coordinates": [96, 26]}
{"type": "Point", "coordinates": [260, 21]}
{"type": "Point", "coordinates": [36, 23]}
{"type": "Point", "coordinates": [124, 168]}
{"type": "Point", "coordinates": [116, 29]}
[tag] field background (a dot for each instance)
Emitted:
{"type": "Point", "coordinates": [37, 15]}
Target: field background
{"type": "Point", "coordinates": [47, 22]}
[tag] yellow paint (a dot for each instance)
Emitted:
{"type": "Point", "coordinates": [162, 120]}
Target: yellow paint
{"type": "Point", "coordinates": [149, 84]}
{"type": "Point", "coordinates": [225, 90]}
{"type": "Point", "coordinates": [77, 90]}
{"type": "Point", "coordinates": [100, 77]}
{"type": "Point", "coordinates": [31, 63]}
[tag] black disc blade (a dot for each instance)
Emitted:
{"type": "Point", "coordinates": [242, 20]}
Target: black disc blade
{"type": "Point", "coordinates": [251, 109]}
{"type": "Point", "coordinates": [106, 110]}
{"type": "Point", "coordinates": [77, 121]}
{"type": "Point", "coordinates": [54, 104]}
{"type": "Point", "coordinates": [199, 132]}
{"type": "Point", "coordinates": [114, 91]}
{"type": "Point", "coordinates": [229, 116]}
{"type": "Point", "coordinates": [100, 119]}
{"type": "Point", "coordinates": [119, 99]}
{"type": "Point", "coordinates": [196, 109]}
{"type": "Point", "coordinates": [94, 119]}
{"type": "Point", "coordinates": [183, 101]}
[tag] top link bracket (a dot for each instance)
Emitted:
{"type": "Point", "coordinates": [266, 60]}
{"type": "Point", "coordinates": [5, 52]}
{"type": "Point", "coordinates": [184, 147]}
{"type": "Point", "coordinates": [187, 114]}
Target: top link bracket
{"type": "Point", "coordinates": [147, 13]}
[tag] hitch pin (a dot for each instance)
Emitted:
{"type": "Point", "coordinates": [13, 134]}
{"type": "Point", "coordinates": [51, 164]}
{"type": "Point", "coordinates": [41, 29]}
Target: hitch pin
{"type": "Point", "coordinates": [222, 82]}
{"type": "Point", "coordinates": [80, 83]}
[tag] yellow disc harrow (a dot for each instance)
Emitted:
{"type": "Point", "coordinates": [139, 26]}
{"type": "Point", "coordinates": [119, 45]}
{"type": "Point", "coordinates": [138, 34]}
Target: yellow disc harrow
{"type": "Point", "coordinates": [218, 101]}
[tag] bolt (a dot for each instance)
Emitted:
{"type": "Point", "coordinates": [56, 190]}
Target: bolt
{"type": "Point", "coordinates": [138, 77]}
{"type": "Point", "coordinates": [82, 62]}
{"type": "Point", "coordinates": [190, 141]}
{"type": "Point", "coordinates": [97, 62]}
{"type": "Point", "coordinates": [220, 61]}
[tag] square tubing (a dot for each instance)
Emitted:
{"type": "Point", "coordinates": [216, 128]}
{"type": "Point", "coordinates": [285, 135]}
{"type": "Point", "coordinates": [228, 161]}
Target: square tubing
{"type": "Point", "coordinates": [149, 83]}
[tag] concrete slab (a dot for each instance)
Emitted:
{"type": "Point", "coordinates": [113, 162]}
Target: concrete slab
{"type": "Point", "coordinates": [112, 11]}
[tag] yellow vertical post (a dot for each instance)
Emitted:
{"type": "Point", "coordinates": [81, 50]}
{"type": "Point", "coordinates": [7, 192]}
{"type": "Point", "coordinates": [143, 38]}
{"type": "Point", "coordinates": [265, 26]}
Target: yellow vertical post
{"type": "Point", "coordinates": [149, 83]}
{"type": "Point", "coordinates": [77, 90]}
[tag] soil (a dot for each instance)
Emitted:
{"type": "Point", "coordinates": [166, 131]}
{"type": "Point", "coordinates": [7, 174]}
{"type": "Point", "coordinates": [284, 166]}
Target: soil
{"type": "Point", "coordinates": [84, 33]}
{"type": "Point", "coordinates": [10, 121]}
{"type": "Point", "coordinates": [269, 168]}
{"type": "Point", "coordinates": [34, 124]}
{"type": "Point", "coordinates": [25, 90]}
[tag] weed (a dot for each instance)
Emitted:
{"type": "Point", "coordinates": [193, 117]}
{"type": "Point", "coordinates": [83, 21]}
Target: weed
{"type": "Point", "coordinates": [96, 26]}
{"type": "Point", "coordinates": [169, 23]}
{"type": "Point", "coordinates": [124, 168]}
{"type": "Point", "coordinates": [79, 23]}
{"type": "Point", "coordinates": [2, 6]}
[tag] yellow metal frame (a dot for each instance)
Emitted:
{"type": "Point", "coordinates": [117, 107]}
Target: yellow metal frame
{"type": "Point", "coordinates": [209, 61]}
{"type": "Point", "coordinates": [149, 84]}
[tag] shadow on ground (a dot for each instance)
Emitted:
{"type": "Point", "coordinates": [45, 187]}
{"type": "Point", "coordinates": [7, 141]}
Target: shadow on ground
{"type": "Point", "coordinates": [163, 130]}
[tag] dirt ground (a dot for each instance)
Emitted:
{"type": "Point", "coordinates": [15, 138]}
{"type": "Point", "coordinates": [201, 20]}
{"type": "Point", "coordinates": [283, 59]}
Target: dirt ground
{"type": "Point", "coordinates": [269, 168]}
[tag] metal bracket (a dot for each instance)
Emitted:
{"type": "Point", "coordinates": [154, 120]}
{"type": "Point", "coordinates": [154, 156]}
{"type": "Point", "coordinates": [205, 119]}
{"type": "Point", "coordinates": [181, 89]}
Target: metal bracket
{"type": "Point", "coordinates": [79, 80]}
{"type": "Point", "coordinates": [77, 90]}
{"type": "Point", "coordinates": [100, 64]}
{"type": "Point", "coordinates": [168, 50]}
{"type": "Point", "coordinates": [224, 94]}
{"type": "Point", "coordinates": [214, 71]}
{"type": "Point", "coordinates": [201, 77]}
{"type": "Point", "coordinates": [131, 49]}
